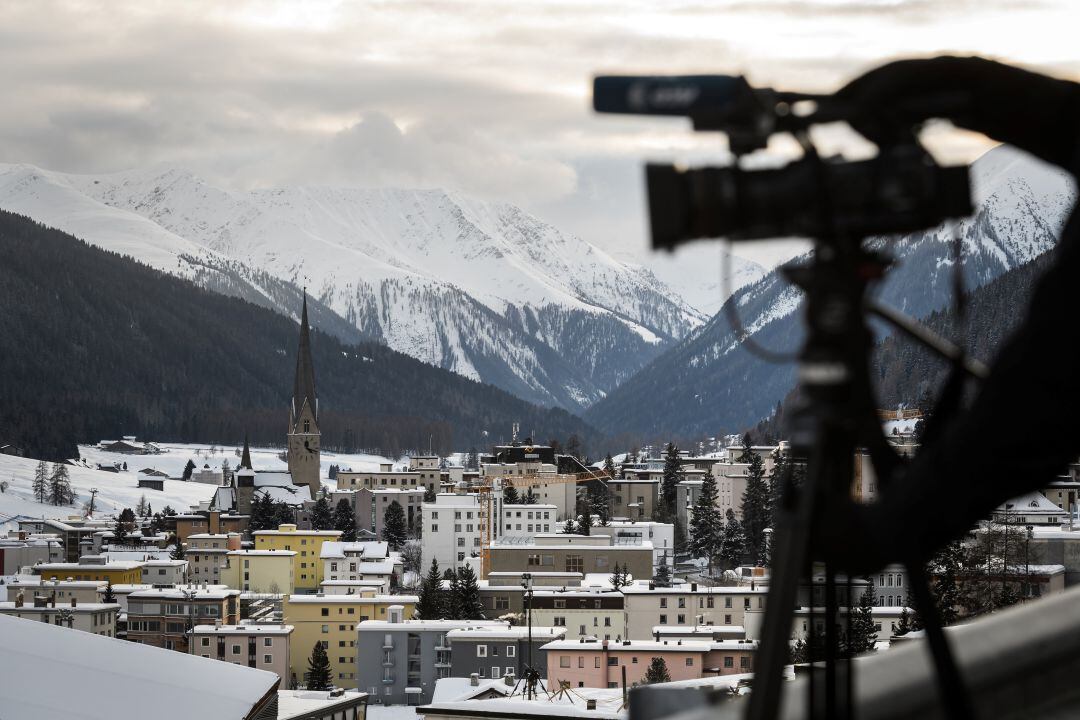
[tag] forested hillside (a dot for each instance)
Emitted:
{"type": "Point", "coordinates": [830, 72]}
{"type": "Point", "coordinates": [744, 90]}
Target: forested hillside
{"type": "Point", "coordinates": [93, 345]}
{"type": "Point", "coordinates": [905, 372]}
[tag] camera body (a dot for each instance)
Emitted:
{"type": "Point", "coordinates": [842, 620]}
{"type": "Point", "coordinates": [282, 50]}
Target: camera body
{"type": "Point", "coordinates": [900, 190]}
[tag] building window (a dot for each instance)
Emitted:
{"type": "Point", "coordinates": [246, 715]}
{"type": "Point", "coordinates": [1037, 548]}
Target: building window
{"type": "Point", "coordinates": [481, 651]}
{"type": "Point", "coordinates": [325, 612]}
{"type": "Point", "coordinates": [564, 661]}
{"type": "Point", "coordinates": [510, 651]}
{"type": "Point", "coordinates": [502, 602]}
{"type": "Point", "coordinates": [689, 662]}
{"type": "Point", "coordinates": [727, 602]}
{"type": "Point", "coordinates": [663, 619]}
{"type": "Point", "coordinates": [325, 629]}
{"type": "Point", "coordinates": [729, 662]}
{"type": "Point", "coordinates": [663, 602]}
{"type": "Point", "coordinates": [575, 563]}
{"type": "Point", "coordinates": [613, 661]}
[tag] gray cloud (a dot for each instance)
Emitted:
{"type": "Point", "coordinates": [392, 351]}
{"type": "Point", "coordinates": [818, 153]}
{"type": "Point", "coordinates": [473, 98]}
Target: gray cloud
{"type": "Point", "coordinates": [486, 96]}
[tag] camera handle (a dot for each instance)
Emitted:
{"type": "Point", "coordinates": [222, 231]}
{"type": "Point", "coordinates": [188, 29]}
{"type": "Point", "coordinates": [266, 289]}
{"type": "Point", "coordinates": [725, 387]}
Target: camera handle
{"type": "Point", "coordinates": [837, 417]}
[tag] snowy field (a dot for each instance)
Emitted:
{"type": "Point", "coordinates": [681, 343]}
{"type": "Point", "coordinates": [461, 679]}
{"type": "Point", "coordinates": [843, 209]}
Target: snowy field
{"type": "Point", "coordinates": [119, 490]}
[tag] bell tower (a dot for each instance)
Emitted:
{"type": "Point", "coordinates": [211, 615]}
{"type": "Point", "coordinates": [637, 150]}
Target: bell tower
{"type": "Point", "coordinates": [303, 435]}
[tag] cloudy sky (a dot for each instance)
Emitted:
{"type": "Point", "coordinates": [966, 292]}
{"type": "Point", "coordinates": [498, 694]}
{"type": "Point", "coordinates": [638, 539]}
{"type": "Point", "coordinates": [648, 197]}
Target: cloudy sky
{"type": "Point", "coordinates": [489, 97]}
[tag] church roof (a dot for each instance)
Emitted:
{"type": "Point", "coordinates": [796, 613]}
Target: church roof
{"type": "Point", "coordinates": [245, 459]}
{"type": "Point", "coordinates": [304, 385]}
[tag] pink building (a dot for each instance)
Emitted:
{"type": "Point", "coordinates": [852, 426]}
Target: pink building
{"type": "Point", "coordinates": [265, 647]}
{"type": "Point", "coordinates": [599, 664]}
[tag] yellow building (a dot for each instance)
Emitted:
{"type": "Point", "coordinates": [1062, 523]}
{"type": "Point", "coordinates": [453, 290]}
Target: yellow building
{"type": "Point", "coordinates": [260, 571]}
{"type": "Point", "coordinates": [332, 620]}
{"type": "Point", "coordinates": [307, 568]}
{"type": "Point", "coordinates": [117, 573]}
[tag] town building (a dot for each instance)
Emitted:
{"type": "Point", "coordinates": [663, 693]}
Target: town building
{"type": "Point", "coordinates": [336, 704]}
{"type": "Point", "coordinates": [83, 591]}
{"type": "Point", "coordinates": [96, 618]}
{"type": "Point", "coordinates": [359, 561]}
{"type": "Point", "coordinates": [584, 612]}
{"type": "Point", "coordinates": [600, 663]}
{"type": "Point", "coordinates": [1030, 509]}
{"type": "Point", "coordinates": [631, 532]}
{"type": "Point", "coordinates": [647, 605]}
{"type": "Point", "coordinates": [162, 617]}
{"type": "Point", "coordinates": [525, 521]}
{"type": "Point", "coordinates": [596, 553]}
{"type": "Point", "coordinates": [422, 473]}
{"type": "Point", "coordinates": [332, 620]}
{"type": "Point", "coordinates": [454, 526]}
{"type": "Point", "coordinates": [208, 556]}
{"type": "Point", "coordinates": [164, 571]}
{"type": "Point", "coordinates": [411, 655]}
{"type": "Point", "coordinates": [260, 571]}
{"type": "Point", "coordinates": [92, 567]}
{"type": "Point", "coordinates": [307, 566]}
{"type": "Point", "coordinates": [210, 522]}
{"type": "Point", "coordinates": [1064, 492]}
{"type": "Point", "coordinates": [22, 549]}
{"type": "Point", "coordinates": [75, 533]}
{"type": "Point", "coordinates": [493, 651]}
{"type": "Point", "coordinates": [369, 506]}
{"type": "Point", "coordinates": [265, 647]}
{"type": "Point", "coordinates": [634, 497]}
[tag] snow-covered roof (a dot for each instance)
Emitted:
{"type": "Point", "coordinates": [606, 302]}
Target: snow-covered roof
{"type": "Point", "coordinates": [691, 646]}
{"type": "Point", "coordinates": [320, 599]}
{"type": "Point", "coordinates": [291, 495]}
{"type": "Point", "coordinates": [451, 689]}
{"type": "Point", "coordinates": [365, 550]}
{"type": "Point", "coordinates": [248, 553]}
{"type": "Point", "coordinates": [322, 533]}
{"type": "Point", "coordinates": [252, 629]}
{"type": "Point", "coordinates": [513, 632]}
{"type": "Point", "coordinates": [300, 703]}
{"type": "Point", "coordinates": [1033, 503]}
{"type": "Point", "coordinates": [97, 670]}
{"type": "Point", "coordinates": [422, 624]}
{"type": "Point", "coordinates": [180, 593]}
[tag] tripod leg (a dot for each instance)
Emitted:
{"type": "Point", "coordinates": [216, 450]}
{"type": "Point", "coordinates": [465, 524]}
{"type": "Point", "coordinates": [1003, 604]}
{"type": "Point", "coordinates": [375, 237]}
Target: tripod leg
{"type": "Point", "coordinates": [954, 695]}
{"type": "Point", "coordinates": [790, 558]}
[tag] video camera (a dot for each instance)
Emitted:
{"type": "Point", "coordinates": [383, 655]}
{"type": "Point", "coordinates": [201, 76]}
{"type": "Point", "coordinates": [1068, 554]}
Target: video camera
{"type": "Point", "coordinates": [901, 190]}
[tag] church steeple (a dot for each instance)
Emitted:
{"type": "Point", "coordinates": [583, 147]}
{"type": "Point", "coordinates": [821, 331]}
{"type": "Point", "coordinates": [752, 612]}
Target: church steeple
{"type": "Point", "coordinates": [303, 435]}
{"type": "Point", "coordinates": [304, 384]}
{"type": "Point", "coordinates": [245, 459]}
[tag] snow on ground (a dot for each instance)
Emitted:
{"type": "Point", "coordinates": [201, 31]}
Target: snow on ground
{"type": "Point", "coordinates": [119, 490]}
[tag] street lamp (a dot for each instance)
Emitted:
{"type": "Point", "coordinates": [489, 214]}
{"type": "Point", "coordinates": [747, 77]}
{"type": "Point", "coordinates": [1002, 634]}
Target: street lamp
{"type": "Point", "coordinates": [1027, 560]}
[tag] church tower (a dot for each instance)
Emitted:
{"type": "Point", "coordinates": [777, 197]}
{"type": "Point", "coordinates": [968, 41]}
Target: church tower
{"type": "Point", "coordinates": [244, 481]}
{"type": "Point", "coordinates": [303, 436]}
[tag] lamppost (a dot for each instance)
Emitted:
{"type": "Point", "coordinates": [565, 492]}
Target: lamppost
{"type": "Point", "coordinates": [1027, 560]}
{"type": "Point", "coordinates": [530, 675]}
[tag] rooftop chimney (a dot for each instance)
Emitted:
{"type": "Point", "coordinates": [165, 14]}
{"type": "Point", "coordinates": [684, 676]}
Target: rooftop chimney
{"type": "Point", "coordinates": [590, 704]}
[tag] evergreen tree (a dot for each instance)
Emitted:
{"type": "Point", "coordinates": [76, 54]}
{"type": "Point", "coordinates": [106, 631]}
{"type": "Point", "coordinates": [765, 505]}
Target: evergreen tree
{"type": "Point", "coordinates": [529, 498]}
{"type": "Point", "coordinates": [322, 518]}
{"type": "Point", "coordinates": [431, 603]}
{"type": "Point", "coordinates": [472, 462]}
{"type": "Point", "coordinates": [732, 541]}
{"type": "Point", "coordinates": [746, 451]}
{"type": "Point", "coordinates": [394, 531]}
{"type": "Point", "coordinates": [585, 522]}
{"type": "Point", "coordinates": [510, 495]}
{"type": "Point", "coordinates": [140, 507]}
{"type": "Point", "coordinates": [569, 528]}
{"type": "Point", "coordinates": [662, 577]}
{"type": "Point", "coordinates": [657, 672]}
{"type": "Point", "coordinates": [108, 596]}
{"type": "Point", "coordinates": [669, 482]}
{"type": "Point", "coordinates": [469, 606]}
{"type": "Point", "coordinates": [283, 514]}
{"type": "Point", "coordinates": [755, 510]}
{"type": "Point", "coordinates": [609, 466]}
{"type": "Point", "coordinates": [188, 469]}
{"type": "Point", "coordinates": [451, 605]}
{"type": "Point", "coordinates": [60, 485]}
{"type": "Point", "coordinates": [861, 633]}
{"type": "Point", "coordinates": [262, 511]}
{"type": "Point", "coordinates": [178, 550]}
{"type": "Point", "coordinates": [318, 674]}
{"type": "Point", "coordinates": [119, 531]}
{"type": "Point", "coordinates": [903, 625]}
{"type": "Point", "coordinates": [706, 525]}
{"type": "Point", "coordinates": [429, 494]}
{"type": "Point", "coordinates": [345, 520]}
{"type": "Point", "coordinates": [41, 482]}
{"type": "Point", "coordinates": [947, 593]}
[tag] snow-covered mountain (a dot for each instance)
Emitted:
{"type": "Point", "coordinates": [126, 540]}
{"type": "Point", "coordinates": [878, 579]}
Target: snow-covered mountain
{"type": "Point", "coordinates": [483, 289]}
{"type": "Point", "coordinates": [708, 383]}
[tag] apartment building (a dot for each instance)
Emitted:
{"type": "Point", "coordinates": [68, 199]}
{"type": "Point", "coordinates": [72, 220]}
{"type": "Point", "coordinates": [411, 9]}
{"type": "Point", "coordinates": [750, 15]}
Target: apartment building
{"type": "Point", "coordinates": [162, 616]}
{"type": "Point", "coordinates": [631, 532]}
{"type": "Point", "coordinates": [585, 554]}
{"type": "Point", "coordinates": [422, 472]}
{"type": "Point", "coordinates": [547, 485]}
{"type": "Point", "coordinates": [260, 571]}
{"type": "Point", "coordinates": [264, 647]}
{"type": "Point", "coordinates": [584, 612]}
{"type": "Point", "coordinates": [92, 567]}
{"type": "Point", "coordinates": [165, 571]}
{"type": "Point", "coordinates": [525, 521]}
{"type": "Point", "coordinates": [332, 620]}
{"type": "Point", "coordinates": [648, 606]}
{"type": "Point", "coordinates": [83, 591]}
{"type": "Point", "coordinates": [369, 506]}
{"type": "Point", "coordinates": [208, 556]}
{"type": "Point", "coordinates": [210, 522]}
{"type": "Point", "coordinates": [600, 663]}
{"type": "Point", "coordinates": [453, 526]}
{"type": "Point", "coordinates": [360, 561]}
{"type": "Point", "coordinates": [307, 567]}
{"type": "Point", "coordinates": [96, 618]}
{"type": "Point", "coordinates": [634, 495]}
{"type": "Point", "coordinates": [492, 651]}
{"type": "Point", "coordinates": [394, 656]}
{"type": "Point", "coordinates": [22, 549]}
